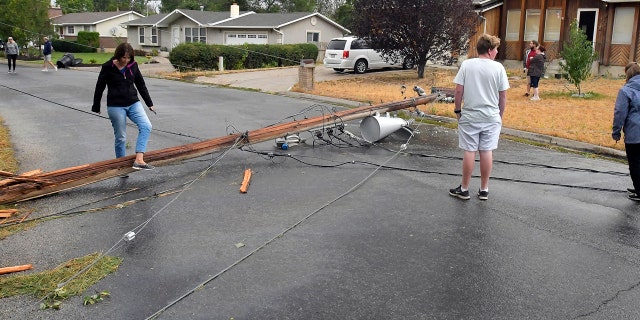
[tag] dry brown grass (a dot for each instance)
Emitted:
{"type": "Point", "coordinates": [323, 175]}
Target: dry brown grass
{"type": "Point", "coordinates": [557, 114]}
{"type": "Point", "coordinates": [7, 158]}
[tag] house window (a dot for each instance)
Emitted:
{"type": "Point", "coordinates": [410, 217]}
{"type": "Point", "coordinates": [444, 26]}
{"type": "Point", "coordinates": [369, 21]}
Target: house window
{"type": "Point", "coordinates": [623, 25]}
{"type": "Point", "coordinates": [532, 25]}
{"type": "Point", "coordinates": [195, 35]}
{"type": "Point", "coordinates": [141, 34]}
{"type": "Point", "coordinates": [513, 25]}
{"type": "Point", "coordinates": [262, 36]}
{"type": "Point", "coordinates": [313, 37]}
{"type": "Point", "coordinates": [154, 35]}
{"type": "Point", "coordinates": [71, 30]}
{"type": "Point", "coordinates": [552, 25]}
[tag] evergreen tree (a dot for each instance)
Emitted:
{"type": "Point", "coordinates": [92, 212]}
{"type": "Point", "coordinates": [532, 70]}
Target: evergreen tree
{"type": "Point", "coordinates": [578, 56]}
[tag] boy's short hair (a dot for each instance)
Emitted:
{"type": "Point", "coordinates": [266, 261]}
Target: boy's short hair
{"type": "Point", "coordinates": [487, 42]}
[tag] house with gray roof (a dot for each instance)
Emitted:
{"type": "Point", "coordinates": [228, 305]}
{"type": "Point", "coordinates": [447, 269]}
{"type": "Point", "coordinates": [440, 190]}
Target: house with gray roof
{"type": "Point", "coordinates": [234, 27]}
{"type": "Point", "coordinates": [108, 24]}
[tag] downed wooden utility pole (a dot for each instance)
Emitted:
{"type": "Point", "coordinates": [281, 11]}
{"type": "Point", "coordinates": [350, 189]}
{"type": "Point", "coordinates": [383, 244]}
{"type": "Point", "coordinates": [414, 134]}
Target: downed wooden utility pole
{"type": "Point", "coordinates": [20, 188]}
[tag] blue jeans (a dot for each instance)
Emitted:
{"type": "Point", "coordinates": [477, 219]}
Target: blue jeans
{"type": "Point", "coordinates": [118, 117]}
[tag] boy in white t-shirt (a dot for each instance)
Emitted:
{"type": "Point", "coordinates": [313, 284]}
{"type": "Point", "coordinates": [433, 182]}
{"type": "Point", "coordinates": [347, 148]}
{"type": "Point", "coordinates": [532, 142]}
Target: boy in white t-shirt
{"type": "Point", "coordinates": [482, 84]}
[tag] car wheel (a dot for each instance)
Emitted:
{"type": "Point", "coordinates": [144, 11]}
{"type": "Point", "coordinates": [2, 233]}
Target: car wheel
{"type": "Point", "coordinates": [360, 66]}
{"type": "Point", "coordinates": [338, 69]}
{"type": "Point", "coordinates": [407, 64]}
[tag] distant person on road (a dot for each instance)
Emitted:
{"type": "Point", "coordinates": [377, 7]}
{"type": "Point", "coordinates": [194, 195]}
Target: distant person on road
{"type": "Point", "coordinates": [536, 71]}
{"type": "Point", "coordinates": [526, 60]}
{"type": "Point", "coordinates": [626, 118]}
{"type": "Point", "coordinates": [122, 77]}
{"type": "Point", "coordinates": [46, 51]}
{"type": "Point", "coordinates": [481, 83]}
{"type": "Point", "coordinates": [12, 50]}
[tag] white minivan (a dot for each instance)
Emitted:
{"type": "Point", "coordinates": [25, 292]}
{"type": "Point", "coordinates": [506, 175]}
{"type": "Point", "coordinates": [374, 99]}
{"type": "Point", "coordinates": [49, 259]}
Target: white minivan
{"type": "Point", "coordinates": [351, 53]}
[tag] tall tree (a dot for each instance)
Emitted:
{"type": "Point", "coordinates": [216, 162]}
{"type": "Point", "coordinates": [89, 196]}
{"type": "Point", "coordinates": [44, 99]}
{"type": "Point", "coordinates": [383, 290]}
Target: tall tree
{"type": "Point", "coordinates": [73, 6]}
{"type": "Point", "coordinates": [208, 5]}
{"type": "Point", "coordinates": [25, 25]}
{"type": "Point", "coordinates": [282, 5]}
{"type": "Point", "coordinates": [344, 15]}
{"type": "Point", "coordinates": [578, 56]}
{"type": "Point", "coordinates": [419, 30]}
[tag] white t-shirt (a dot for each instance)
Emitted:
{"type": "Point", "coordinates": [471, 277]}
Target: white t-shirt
{"type": "Point", "coordinates": [483, 79]}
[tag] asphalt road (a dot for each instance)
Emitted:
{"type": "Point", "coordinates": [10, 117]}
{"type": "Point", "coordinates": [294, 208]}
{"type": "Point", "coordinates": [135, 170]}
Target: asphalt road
{"type": "Point", "coordinates": [325, 235]}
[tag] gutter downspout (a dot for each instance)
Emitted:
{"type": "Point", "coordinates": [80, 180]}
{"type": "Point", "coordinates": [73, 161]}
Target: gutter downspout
{"type": "Point", "coordinates": [281, 35]}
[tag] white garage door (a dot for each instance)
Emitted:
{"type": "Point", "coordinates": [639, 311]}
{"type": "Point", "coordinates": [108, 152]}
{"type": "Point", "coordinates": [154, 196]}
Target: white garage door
{"type": "Point", "coordinates": [242, 38]}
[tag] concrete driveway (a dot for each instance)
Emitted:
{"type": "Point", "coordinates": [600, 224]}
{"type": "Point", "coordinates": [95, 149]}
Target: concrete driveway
{"type": "Point", "coordinates": [322, 233]}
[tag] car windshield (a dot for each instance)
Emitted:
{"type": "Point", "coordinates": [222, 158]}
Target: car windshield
{"type": "Point", "coordinates": [336, 44]}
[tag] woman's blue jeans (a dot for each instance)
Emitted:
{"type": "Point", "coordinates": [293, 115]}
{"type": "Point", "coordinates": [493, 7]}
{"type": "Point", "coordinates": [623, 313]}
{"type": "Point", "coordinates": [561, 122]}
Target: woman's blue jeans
{"type": "Point", "coordinates": [118, 116]}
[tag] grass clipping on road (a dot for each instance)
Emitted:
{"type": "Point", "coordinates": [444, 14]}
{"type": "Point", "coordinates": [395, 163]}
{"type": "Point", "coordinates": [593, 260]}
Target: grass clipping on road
{"type": "Point", "coordinates": [587, 119]}
{"type": "Point", "coordinates": [44, 284]}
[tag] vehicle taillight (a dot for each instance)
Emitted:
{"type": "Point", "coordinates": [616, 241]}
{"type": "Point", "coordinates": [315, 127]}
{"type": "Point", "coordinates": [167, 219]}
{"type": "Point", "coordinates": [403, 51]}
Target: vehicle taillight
{"type": "Point", "coordinates": [345, 54]}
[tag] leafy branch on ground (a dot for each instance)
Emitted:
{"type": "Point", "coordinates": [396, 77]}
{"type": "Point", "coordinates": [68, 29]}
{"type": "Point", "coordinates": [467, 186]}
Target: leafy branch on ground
{"type": "Point", "coordinates": [44, 285]}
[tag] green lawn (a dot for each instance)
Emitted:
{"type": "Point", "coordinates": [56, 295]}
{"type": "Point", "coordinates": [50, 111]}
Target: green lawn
{"type": "Point", "coordinates": [88, 58]}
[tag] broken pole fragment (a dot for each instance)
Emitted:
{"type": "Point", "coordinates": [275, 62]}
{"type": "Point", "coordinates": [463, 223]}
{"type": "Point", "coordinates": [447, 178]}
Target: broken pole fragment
{"type": "Point", "coordinates": [245, 181]}
{"type": "Point", "coordinates": [16, 268]}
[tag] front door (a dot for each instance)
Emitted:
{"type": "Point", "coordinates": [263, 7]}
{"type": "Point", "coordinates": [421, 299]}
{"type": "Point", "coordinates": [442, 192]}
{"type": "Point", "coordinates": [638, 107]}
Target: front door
{"type": "Point", "coordinates": [175, 36]}
{"type": "Point", "coordinates": [587, 21]}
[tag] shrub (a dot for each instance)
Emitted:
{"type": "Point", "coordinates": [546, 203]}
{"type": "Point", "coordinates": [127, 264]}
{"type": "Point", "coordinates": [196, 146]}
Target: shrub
{"type": "Point", "coordinates": [139, 53]}
{"type": "Point", "coordinates": [200, 56]}
{"type": "Point", "coordinates": [90, 39]}
{"type": "Point", "coordinates": [70, 46]}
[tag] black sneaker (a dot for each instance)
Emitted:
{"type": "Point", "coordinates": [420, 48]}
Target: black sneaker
{"type": "Point", "coordinates": [139, 166]}
{"type": "Point", "coordinates": [631, 191]}
{"type": "Point", "coordinates": [483, 195]}
{"type": "Point", "coordinates": [634, 197]}
{"type": "Point", "coordinates": [457, 192]}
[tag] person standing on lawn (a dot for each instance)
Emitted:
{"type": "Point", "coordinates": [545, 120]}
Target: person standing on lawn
{"type": "Point", "coordinates": [12, 50]}
{"type": "Point", "coordinates": [122, 77]}
{"type": "Point", "coordinates": [536, 71]}
{"type": "Point", "coordinates": [528, 55]}
{"type": "Point", "coordinates": [626, 118]}
{"type": "Point", "coordinates": [481, 83]}
{"type": "Point", "coordinates": [46, 52]}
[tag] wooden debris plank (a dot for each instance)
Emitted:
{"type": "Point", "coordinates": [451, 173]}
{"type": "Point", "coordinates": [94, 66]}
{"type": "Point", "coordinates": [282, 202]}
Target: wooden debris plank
{"type": "Point", "coordinates": [6, 213]}
{"type": "Point", "coordinates": [15, 268]}
{"type": "Point", "coordinates": [245, 181]}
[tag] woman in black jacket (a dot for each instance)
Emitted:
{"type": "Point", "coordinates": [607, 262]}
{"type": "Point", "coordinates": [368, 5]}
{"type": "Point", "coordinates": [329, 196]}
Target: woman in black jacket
{"type": "Point", "coordinates": [122, 76]}
{"type": "Point", "coordinates": [536, 71]}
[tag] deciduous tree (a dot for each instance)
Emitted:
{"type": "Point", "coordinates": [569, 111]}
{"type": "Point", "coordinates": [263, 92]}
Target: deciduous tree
{"type": "Point", "coordinates": [578, 56]}
{"type": "Point", "coordinates": [420, 30]}
{"type": "Point", "coordinates": [22, 24]}
{"type": "Point", "coordinates": [344, 15]}
{"type": "Point", "coordinates": [73, 6]}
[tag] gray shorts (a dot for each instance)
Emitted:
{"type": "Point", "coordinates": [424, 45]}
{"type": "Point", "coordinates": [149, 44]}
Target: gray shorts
{"type": "Point", "coordinates": [478, 136]}
{"type": "Point", "coordinates": [47, 57]}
